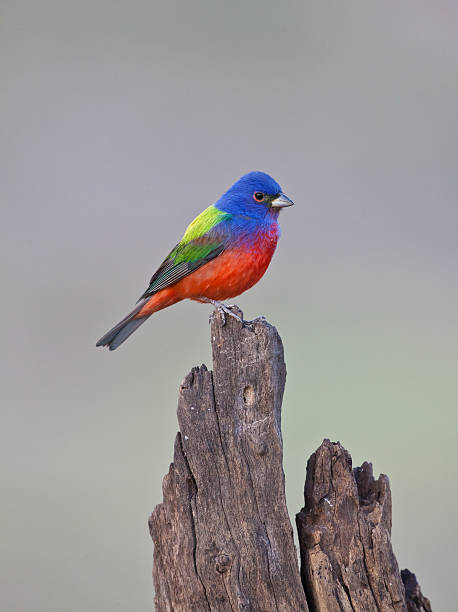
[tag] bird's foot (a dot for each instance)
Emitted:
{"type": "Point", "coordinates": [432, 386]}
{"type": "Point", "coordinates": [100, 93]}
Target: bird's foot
{"type": "Point", "coordinates": [223, 309]}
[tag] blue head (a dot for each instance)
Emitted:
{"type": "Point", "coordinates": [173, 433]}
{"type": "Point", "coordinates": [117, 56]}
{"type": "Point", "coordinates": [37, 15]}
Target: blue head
{"type": "Point", "coordinates": [255, 195]}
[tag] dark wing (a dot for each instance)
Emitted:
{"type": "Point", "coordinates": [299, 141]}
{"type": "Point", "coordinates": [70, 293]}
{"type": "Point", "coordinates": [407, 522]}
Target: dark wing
{"type": "Point", "coordinates": [182, 260]}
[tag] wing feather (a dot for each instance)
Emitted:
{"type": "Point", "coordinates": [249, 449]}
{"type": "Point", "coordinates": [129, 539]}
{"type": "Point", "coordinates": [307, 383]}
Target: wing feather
{"type": "Point", "coordinates": [203, 241]}
{"type": "Point", "coordinates": [170, 272]}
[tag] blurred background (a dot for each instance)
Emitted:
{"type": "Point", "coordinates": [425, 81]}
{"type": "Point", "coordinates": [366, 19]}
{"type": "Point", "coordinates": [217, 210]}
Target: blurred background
{"type": "Point", "coordinates": [120, 121]}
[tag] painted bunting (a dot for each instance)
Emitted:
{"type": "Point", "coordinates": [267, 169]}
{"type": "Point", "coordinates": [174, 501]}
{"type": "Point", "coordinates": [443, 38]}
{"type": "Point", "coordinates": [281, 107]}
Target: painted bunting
{"type": "Point", "coordinates": [224, 252]}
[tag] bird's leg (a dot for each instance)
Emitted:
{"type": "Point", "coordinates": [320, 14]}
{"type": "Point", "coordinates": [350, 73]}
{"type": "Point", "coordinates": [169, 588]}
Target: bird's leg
{"type": "Point", "coordinates": [223, 308]}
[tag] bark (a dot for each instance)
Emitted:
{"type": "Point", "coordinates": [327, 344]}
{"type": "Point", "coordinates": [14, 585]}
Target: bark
{"type": "Point", "coordinates": [347, 563]}
{"type": "Point", "coordinates": [416, 601]}
{"type": "Point", "coordinates": [222, 536]}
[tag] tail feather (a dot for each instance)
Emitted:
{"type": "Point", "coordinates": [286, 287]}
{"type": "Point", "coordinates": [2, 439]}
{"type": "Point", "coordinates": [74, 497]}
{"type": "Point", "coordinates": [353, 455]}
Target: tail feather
{"type": "Point", "coordinates": [120, 332]}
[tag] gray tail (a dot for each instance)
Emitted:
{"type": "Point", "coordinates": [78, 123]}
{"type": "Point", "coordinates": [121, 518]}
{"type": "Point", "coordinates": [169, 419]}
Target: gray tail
{"type": "Point", "coordinates": [122, 330]}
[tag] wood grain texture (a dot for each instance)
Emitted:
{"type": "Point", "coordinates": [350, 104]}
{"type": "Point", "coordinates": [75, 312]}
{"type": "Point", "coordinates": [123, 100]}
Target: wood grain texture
{"type": "Point", "coordinates": [347, 562]}
{"type": "Point", "coordinates": [222, 536]}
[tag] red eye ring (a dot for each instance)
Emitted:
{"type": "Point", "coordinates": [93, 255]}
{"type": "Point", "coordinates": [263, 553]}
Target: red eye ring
{"type": "Point", "coordinates": [258, 196]}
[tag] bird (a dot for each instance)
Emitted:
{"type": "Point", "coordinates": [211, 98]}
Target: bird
{"type": "Point", "coordinates": [223, 252]}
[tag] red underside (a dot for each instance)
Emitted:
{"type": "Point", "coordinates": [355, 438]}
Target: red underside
{"type": "Point", "coordinates": [227, 276]}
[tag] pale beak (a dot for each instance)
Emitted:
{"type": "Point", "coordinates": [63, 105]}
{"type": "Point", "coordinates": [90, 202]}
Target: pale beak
{"type": "Point", "coordinates": [281, 201]}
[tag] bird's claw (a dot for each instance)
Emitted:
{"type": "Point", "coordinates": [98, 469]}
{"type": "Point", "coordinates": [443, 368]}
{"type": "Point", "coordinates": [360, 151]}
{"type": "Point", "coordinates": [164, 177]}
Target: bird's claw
{"type": "Point", "coordinates": [223, 316]}
{"type": "Point", "coordinates": [227, 310]}
{"type": "Point", "coordinates": [223, 309]}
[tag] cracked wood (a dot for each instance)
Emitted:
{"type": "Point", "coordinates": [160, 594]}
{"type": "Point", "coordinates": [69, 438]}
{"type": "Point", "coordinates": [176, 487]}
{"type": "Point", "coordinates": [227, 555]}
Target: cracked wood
{"type": "Point", "coordinates": [222, 536]}
{"type": "Point", "coordinates": [348, 564]}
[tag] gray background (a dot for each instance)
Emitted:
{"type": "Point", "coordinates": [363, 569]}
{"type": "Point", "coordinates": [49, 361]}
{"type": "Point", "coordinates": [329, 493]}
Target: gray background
{"type": "Point", "coordinates": [120, 121]}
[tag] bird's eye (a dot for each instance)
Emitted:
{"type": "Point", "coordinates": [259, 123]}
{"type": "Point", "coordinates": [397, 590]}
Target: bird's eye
{"type": "Point", "coordinates": [258, 196]}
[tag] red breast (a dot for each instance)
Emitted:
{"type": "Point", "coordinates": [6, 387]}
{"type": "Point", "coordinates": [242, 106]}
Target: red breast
{"type": "Point", "coordinates": [233, 272]}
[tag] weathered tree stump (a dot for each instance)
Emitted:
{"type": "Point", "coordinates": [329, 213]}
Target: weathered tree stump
{"type": "Point", "coordinates": [222, 536]}
{"type": "Point", "coordinates": [344, 534]}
